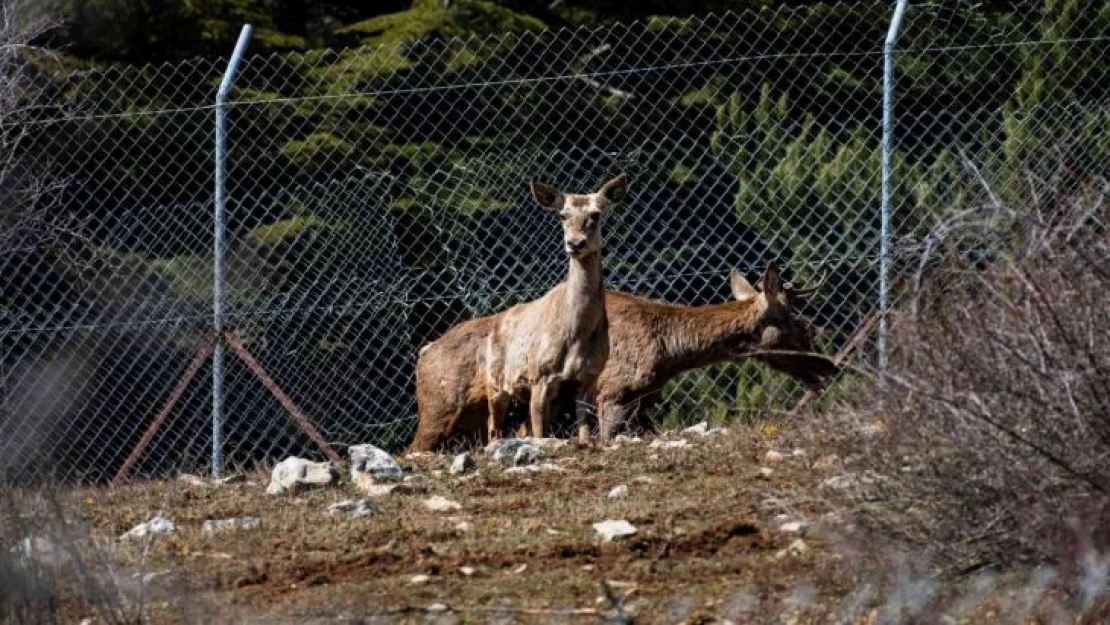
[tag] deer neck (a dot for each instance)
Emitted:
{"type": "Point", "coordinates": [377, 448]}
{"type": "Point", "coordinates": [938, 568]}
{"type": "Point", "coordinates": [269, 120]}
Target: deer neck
{"type": "Point", "coordinates": [696, 336]}
{"type": "Point", "coordinates": [585, 297]}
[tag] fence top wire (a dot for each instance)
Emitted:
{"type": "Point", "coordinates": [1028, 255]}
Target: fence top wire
{"type": "Point", "coordinates": [929, 13]}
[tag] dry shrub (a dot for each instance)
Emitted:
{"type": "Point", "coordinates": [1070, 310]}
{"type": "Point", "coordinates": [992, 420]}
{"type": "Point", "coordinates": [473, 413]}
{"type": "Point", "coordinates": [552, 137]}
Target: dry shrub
{"type": "Point", "coordinates": [997, 394]}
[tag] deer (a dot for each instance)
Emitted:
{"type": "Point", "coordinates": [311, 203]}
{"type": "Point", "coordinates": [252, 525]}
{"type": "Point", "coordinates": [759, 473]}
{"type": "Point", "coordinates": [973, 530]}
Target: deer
{"type": "Point", "coordinates": [536, 350]}
{"type": "Point", "coordinates": [651, 342]}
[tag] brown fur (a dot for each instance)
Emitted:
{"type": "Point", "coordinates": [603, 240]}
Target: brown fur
{"type": "Point", "coordinates": [530, 350]}
{"type": "Point", "coordinates": [650, 343]}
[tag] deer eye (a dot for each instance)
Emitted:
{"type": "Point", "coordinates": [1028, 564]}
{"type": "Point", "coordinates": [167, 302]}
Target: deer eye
{"type": "Point", "coordinates": [591, 220]}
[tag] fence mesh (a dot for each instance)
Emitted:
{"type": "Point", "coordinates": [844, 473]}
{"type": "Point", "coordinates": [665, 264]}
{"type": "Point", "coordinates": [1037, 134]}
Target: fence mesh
{"type": "Point", "coordinates": [378, 196]}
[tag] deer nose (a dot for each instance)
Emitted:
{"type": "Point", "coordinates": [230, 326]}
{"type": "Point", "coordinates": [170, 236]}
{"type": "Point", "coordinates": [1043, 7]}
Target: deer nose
{"type": "Point", "coordinates": [575, 246]}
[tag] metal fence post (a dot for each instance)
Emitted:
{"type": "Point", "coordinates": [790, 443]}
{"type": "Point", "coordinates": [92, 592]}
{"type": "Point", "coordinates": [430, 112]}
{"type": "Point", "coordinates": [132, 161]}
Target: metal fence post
{"type": "Point", "coordinates": [887, 176]}
{"type": "Point", "coordinates": [219, 245]}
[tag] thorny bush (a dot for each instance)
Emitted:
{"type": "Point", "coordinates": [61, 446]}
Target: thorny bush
{"type": "Point", "coordinates": [996, 400]}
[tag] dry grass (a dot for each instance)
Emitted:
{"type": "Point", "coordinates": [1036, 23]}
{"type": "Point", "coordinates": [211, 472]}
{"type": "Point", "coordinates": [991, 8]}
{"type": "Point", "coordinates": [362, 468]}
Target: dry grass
{"type": "Point", "coordinates": [708, 548]}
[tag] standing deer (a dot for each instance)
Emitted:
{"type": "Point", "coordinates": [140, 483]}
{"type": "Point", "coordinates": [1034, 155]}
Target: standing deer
{"type": "Point", "coordinates": [473, 372]}
{"type": "Point", "coordinates": [651, 342]}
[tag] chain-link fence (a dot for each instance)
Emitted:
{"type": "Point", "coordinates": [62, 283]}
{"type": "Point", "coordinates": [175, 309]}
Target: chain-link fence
{"type": "Point", "coordinates": [378, 196]}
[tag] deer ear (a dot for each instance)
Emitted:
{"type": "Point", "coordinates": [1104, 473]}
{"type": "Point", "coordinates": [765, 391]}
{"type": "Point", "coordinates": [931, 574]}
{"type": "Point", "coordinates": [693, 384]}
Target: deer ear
{"type": "Point", "coordinates": [616, 190]}
{"type": "Point", "coordinates": [547, 196]}
{"type": "Point", "coordinates": [741, 289]}
{"type": "Point", "coordinates": [771, 281]}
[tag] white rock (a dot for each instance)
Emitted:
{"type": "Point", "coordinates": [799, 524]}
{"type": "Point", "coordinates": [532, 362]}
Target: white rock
{"type": "Point", "coordinates": [515, 452]}
{"type": "Point", "coordinates": [437, 503]}
{"type": "Point", "coordinates": [467, 571]}
{"type": "Point", "coordinates": [355, 508]}
{"type": "Point", "coordinates": [295, 473]}
{"type": "Point", "coordinates": [153, 527]}
{"type": "Point", "coordinates": [624, 439]}
{"type": "Point", "coordinates": [772, 456]}
{"type": "Point", "coordinates": [375, 491]}
{"type": "Point", "coordinates": [793, 527]}
{"type": "Point", "coordinates": [798, 453]}
{"type": "Point", "coordinates": [848, 480]}
{"type": "Point", "coordinates": [765, 473]}
{"type": "Point", "coordinates": [463, 526]}
{"type": "Point", "coordinates": [644, 479]}
{"type": "Point", "coordinates": [796, 548]}
{"type": "Point", "coordinates": [438, 607]}
{"type": "Point", "coordinates": [420, 579]}
{"type": "Point", "coordinates": [664, 444]}
{"type": "Point", "coordinates": [611, 529]}
{"type": "Point", "coordinates": [618, 492]}
{"type": "Point", "coordinates": [373, 465]}
{"type": "Point", "coordinates": [536, 468]}
{"type": "Point", "coordinates": [462, 463]}
{"type": "Point", "coordinates": [701, 429]}
{"type": "Point", "coordinates": [213, 526]}
{"type": "Point", "coordinates": [192, 480]}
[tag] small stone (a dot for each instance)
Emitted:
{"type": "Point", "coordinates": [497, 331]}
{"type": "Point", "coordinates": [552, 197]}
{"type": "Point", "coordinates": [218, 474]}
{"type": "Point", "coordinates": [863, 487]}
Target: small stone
{"type": "Point", "coordinates": [372, 465]}
{"type": "Point", "coordinates": [618, 492]}
{"type": "Point", "coordinates": [797, 548]}
{"type": "Point", "coordinates": [437, 503]}
{"type": "Point", "coordinates": [701, 429]}
{"type": "Point", "coordinates": [827, 462]}
{"type": "Point", "coordinates": [846, 481]}
{"type": "Point", "coordinates": [463, 526]}
{"type": "Point", "coordinates": [644, 479]}
{"type": "Point", "coordinates": [624, 439]}
{"type": "Point", "coordinates": [355, 508]}
{"type": "Point", "coordinates": [192, 480]}
{"type": "Point", "coordinates": [381, 490]}
{"type": "Point", "coordinates": [514, 452]}
{"type": "Point", "coordinates": [793, 527]}
{"type": "Point", "coordinates": [520, 569]}
{"type": "Point", "coordinates": [664, 444]}
{"type": "Point", "coordinates": [587, 567]}
{"type": "Point", "coordinates": [765, 473]}
{"type": "Point", "coordinates": [438, 607]}
{"type": "Point", "coordinates": [535, 468]}
{"type": "Point", "coordinates": [772, 456]}
{"type": "Point", "coordinates": [153, 527]}
{"type": "Point", "coordinates": [611, 529]}
{"type": "Point", "coordinates": [798, 453]}
{"type": "Point", "coordinates": [462, 463]}
{"type": "Point", "coordinates": [213, 526]}
{"type": "Point", "coordinates": [420, 579]}
{"type": "Point", "coordinates": [293, 474]}
{"type": "Point", "coordinates": [467, 571]}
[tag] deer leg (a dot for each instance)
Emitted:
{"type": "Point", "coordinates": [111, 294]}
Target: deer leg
{"type": "Point", "coordinates": [498, 408]}
{"type": "Point", "coordinates": [611, 415]}
{"type": "Point", "coordinates": [540, 406]}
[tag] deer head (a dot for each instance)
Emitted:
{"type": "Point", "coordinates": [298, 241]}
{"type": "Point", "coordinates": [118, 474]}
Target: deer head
{"type": "Point", "coordinates": [580, 213]}
{"type": "Point", "coordinates": [780, 330]}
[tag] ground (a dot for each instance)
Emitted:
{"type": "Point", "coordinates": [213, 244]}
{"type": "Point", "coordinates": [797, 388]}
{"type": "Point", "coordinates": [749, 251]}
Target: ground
{"type": "Point", "coordinates": [709, 545]}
